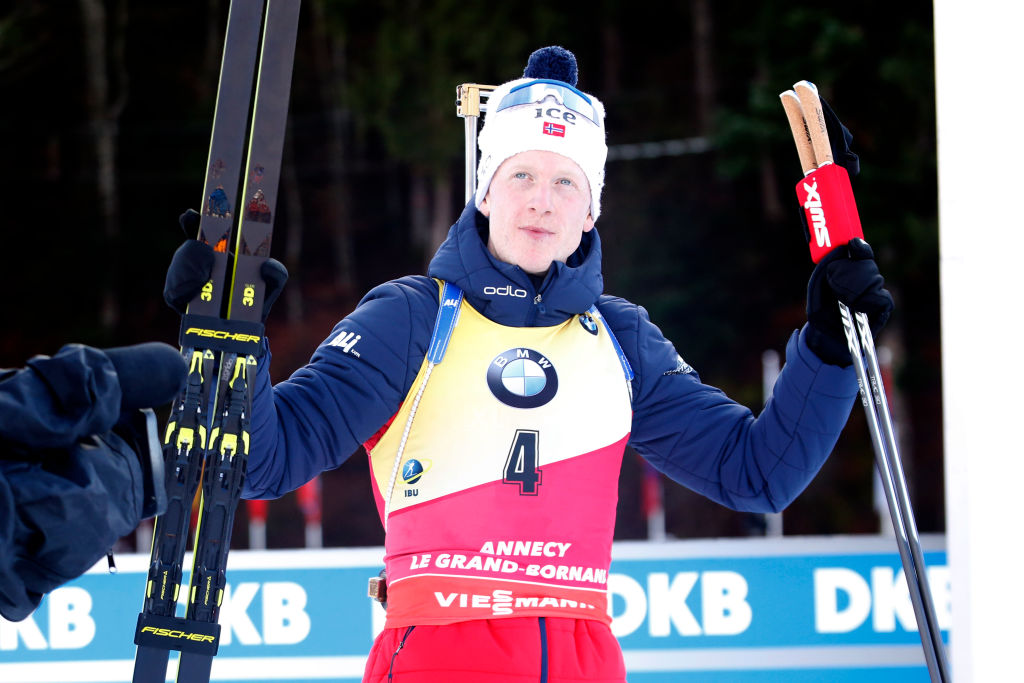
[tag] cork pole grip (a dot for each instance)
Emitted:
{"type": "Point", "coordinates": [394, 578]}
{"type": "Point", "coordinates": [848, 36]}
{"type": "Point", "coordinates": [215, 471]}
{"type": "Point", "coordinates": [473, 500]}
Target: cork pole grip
{"type": "Point", "coordinates": [801, 135]}
{"type": "Point", "coordinates": [808, 94]}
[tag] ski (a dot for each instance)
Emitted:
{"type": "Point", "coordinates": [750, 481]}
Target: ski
{"type": "Point", "coordinates": [229, 438]}
{"type": "Point", "coordinates": [186, 435]}
{"type": "Point", "coordinates": [221, 341]}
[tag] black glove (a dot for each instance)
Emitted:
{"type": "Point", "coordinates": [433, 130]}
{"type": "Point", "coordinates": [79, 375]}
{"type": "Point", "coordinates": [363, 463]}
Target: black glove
{"type": "Point", "coordinates": [192, 265]}
{"type": "Point", "coordinates": [848, 274]}
{"type": "Point", "coordinates": [150, 374]}
{"type": "Point", "coordinates": [839, 139]}
{"type": "Point", "coordinates": [274, 276]}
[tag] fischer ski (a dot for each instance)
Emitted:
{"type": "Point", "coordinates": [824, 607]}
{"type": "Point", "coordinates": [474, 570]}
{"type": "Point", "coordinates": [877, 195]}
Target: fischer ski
{"type": "Point", "coordinates": [221, 341]}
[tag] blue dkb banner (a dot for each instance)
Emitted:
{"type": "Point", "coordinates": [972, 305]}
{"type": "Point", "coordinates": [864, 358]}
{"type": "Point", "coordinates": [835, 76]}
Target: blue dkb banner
{"type": "Point", "coordinates": [744, 611]}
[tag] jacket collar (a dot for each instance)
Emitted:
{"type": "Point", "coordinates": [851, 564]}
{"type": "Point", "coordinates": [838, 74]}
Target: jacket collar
{"type": "Point", "coordinates": [505, 293]}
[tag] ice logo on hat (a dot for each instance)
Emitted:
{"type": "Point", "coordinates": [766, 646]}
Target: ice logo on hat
{"type": "Point", "coordinates": [522, 378]}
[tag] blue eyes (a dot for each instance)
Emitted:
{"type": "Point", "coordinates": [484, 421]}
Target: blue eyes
{"type": "Point", "coordinates": [522, 175]}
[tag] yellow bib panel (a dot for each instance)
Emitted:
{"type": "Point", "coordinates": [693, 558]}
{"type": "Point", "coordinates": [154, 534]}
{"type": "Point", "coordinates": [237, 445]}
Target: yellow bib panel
{"type": "Point", "coordinates": [503, 500]}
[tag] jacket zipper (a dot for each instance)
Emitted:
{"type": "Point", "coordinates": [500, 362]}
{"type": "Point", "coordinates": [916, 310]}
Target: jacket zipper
{"type": "Point", "coordinates": [401, 644]}
{"type": "Point", "coordinates": [538, 308]}
{"type": "Point", "coordinates": [542, 621]}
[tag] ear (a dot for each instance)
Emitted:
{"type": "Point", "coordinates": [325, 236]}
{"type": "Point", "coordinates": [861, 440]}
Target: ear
{"type": "Point", "coordinates": [588, 224]}
{"type": "Point", "coordinates": [485, 206]}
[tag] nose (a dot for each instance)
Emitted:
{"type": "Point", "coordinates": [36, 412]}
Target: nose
{"type": "Point", "coordinates": [541, 198]}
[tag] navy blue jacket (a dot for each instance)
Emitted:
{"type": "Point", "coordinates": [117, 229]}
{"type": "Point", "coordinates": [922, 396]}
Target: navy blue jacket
{"type": "Point", "coordinates": [69, 487]}
{"type": "Point", "coordinates": [692, 432]}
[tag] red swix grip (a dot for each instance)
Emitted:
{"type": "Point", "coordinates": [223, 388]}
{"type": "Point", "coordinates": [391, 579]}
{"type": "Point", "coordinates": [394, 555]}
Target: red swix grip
{"type": "Point", "coordinates": [827, 200]}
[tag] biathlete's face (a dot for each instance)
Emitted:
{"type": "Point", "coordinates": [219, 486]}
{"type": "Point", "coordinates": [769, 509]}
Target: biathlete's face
{"type": "Point", "coordinates": [538, 204]}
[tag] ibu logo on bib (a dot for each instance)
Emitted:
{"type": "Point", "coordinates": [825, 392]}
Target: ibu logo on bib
{"type": "Point", "coordinates": [522, 378]}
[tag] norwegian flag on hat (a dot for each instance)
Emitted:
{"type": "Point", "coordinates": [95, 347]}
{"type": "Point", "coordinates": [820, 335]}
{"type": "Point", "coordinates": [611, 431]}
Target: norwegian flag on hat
{"type": "Point", "coordinates": [556, 129]}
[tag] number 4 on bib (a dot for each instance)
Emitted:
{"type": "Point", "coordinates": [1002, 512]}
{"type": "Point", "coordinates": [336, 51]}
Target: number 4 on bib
{"type": "Point", "coordinates": [521, 464]}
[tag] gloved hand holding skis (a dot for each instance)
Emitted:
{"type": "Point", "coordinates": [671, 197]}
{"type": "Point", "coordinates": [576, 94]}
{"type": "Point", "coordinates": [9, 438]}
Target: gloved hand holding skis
{"type": "Point", "coordinates": [192, 265]}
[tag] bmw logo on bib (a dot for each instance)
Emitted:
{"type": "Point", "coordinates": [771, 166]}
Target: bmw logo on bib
{"type": "Point", "coordinates": [522, 378]}
{"type": "Point", "coordinates": [588, 323]}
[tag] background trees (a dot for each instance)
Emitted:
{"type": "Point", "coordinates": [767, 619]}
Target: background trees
{"type": "Point", "coordinates": [107, 106]}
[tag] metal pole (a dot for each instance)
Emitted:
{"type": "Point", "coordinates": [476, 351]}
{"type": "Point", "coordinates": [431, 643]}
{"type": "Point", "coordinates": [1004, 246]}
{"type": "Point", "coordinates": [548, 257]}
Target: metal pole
{"type": "Point", "coordinates": [770, 369]}
{"type": "Point", "coordinates": [468, 105]}
{"type": "Point", "coordinates": [901, 493]}
{"type": "Point", "coordinates": [887, 459]}
{"type": "Point", "coordinates": [470, 156]}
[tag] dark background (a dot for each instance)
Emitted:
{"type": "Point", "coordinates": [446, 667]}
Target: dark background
{"type": "Point", "coordinates": [106, 113]}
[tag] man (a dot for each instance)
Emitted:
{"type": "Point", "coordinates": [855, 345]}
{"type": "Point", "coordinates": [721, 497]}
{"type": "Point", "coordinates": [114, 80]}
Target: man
{"type": "Point", "coordinates": [80, 465]}
{"type": "Point", "coordinates": [495, 398]}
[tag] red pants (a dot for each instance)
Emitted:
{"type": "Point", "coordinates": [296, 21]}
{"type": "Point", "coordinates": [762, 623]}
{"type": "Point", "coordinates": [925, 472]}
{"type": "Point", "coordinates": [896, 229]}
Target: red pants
{"type": "Point", "coordinates": [517, 650]}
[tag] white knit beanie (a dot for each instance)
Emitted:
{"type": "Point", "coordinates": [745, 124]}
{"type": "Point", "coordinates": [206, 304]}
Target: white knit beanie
{"type": "Point", "coordinates": [546, 121]}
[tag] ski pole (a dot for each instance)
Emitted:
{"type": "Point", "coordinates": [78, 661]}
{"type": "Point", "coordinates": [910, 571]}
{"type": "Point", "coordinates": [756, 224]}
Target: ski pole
{"type": "Point", "coordinates": [897, 490]}
{"type": "Point", "coordinates": [468, 105]}
{"type": "Point", "coordinates": [826, 188]}
{"type": "Point", "coordinates": [858, 335]}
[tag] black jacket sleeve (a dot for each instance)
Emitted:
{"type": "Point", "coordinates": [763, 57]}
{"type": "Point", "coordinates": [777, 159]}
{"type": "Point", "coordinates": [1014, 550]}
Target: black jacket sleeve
{"type": "Point", "coordinates": [69, 486]}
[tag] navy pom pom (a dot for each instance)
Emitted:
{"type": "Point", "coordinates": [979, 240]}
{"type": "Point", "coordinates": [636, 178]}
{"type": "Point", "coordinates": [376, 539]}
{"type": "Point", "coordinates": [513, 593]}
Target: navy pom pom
{"type": "Point", "coordinates": [553, 62]}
